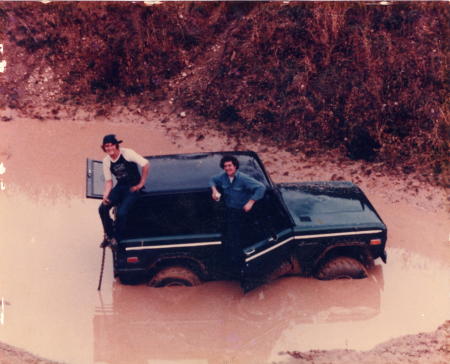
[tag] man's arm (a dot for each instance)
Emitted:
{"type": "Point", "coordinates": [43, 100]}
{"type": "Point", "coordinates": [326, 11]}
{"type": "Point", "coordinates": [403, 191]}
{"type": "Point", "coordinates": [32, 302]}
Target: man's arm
{"type": "Point", "coordinates": [258, 192]}
{"type": "Point", "coordinates": [215, 192]}
{"type": "Point", "coordinates": [248, 206]}
{"type": "Point", "coordinates": [108, 181]}
{"type": "Point", "coordinates": [132, 156]}
{"type": "Point", "coordinates": [106, 190]}
{"type": "Point", "coordinates": [144, 175]}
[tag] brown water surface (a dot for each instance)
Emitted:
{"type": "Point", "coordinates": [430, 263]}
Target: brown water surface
{"type": "Point", "coordinates": [50, 262]}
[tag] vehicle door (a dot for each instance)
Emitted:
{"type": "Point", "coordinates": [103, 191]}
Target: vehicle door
{"type": "Point", "coordinates": [273, 249]}
{"type": "Point", "coordinates": [94, 179]}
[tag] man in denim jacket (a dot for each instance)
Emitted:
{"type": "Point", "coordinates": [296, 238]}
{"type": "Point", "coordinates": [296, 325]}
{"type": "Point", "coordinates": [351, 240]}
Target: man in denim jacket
{"type": "Point", "coordinates": [240, 192]}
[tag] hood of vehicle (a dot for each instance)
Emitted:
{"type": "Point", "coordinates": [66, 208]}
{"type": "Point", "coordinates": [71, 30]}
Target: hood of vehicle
{"type": "Point", "coordinates": [335, 205]}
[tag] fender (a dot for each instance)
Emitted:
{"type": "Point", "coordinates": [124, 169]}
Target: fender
{"type": "Point", "coordinates": [358, 244]}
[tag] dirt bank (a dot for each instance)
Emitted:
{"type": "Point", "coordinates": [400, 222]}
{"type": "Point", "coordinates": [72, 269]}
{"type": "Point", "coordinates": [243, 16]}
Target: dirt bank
{"type": "Point", "coordinates": [357, 79]}
{"type": "Point", "coordinates": [429, 348]}
{"type": "Point", "coordinates": [12, 355]}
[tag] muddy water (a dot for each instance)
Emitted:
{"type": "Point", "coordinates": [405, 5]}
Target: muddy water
{"type": "Point", "coordinates": [50, 260]}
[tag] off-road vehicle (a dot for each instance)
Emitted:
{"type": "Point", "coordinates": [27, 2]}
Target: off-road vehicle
{"type": "Point", "coordinates": [328, 230]}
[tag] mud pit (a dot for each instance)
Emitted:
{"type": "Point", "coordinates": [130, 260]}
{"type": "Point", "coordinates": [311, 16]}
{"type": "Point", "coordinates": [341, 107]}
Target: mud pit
{"type": "Point", "coordinates": [50, 262]}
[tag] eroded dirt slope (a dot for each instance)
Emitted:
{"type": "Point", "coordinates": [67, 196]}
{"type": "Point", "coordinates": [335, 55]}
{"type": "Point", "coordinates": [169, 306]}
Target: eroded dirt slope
{"type": "Point", "coordinates": [364, 80]}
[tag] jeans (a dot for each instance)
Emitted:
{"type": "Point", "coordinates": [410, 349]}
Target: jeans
{"type": "Point", "coordinates": [124, 199]}
{"type": "Point", "coordinates": [233, 235]}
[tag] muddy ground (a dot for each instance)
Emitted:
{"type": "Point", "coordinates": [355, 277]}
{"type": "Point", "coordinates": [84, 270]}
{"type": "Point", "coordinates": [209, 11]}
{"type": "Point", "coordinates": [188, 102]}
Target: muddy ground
{"type": "Point", "coordinates": [38, 151]}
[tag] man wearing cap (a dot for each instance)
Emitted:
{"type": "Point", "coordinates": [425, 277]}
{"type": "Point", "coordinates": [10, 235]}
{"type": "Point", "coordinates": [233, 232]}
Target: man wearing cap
{"type": "Point", "coordinates": [124, 164]}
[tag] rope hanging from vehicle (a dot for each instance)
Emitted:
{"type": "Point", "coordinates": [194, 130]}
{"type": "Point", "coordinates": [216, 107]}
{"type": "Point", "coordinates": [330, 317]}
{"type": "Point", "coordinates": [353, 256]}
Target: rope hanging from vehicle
{"type": "Point", "coordinates": [101, 270]}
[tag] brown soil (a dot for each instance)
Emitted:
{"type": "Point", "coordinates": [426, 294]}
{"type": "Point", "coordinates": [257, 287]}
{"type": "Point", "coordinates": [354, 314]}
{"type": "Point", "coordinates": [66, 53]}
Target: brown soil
{"type": "Point", "coordinates": [429, 348]}
{"type": "Point", "coordinates": [12, 355]}
{"type": "Point", "coordinates": [362, 80]}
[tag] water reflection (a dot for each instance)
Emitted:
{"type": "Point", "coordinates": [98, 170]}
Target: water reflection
{"type": "Point", "coordinates": [215, 322]}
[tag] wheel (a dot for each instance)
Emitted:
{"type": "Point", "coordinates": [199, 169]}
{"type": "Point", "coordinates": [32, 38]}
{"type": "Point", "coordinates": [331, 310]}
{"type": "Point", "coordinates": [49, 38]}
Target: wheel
{"type": "Point", "coordinates": [341, 268]}
{"type": "Point", "coordinates": [286, 267]}
{"type": "Point", "coordinates": [175, 276]}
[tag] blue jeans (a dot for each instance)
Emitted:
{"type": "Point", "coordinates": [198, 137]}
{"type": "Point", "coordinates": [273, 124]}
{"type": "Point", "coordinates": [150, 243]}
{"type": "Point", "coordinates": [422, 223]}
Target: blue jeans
{"type": "Point", "coordinates": [234, 219]}
{"type": "Point", "coordinates": [121, 197]}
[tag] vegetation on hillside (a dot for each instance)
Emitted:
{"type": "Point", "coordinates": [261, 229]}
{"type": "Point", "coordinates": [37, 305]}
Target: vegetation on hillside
{"type": "Point", "coordinates": [369, 81]}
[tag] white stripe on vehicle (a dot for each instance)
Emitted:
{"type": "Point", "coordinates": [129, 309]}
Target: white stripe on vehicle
{"type": "Point", "coordinates": [311, 237]}
{"type": "Point", "coordinates": [166, 246]}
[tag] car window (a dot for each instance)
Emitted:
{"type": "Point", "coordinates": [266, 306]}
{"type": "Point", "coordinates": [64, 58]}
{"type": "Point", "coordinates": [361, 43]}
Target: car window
{"type": "Point", "coordinates": [179, 172]}
{"type": "Point", "coordinates": [193, 171]}
{"type": "Point", "coordinates": [174, 214]}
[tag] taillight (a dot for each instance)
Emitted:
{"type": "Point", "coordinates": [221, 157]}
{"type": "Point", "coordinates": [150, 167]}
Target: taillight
{"type": "Point", "coordinates": [375, 242]}
{"type": "Point", "coordinates": [132, 260]}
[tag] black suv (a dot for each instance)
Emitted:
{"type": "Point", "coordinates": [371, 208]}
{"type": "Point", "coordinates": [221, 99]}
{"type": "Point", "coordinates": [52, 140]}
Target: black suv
{"type": "Point", "coordinates": [326, 229]}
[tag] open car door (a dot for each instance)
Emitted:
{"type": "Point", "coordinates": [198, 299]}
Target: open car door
{"type": "Point", "coordinates": [267, 259]}
{"type": "Point", "coordinates": [94, 179]}
{"type": "Point", "coordinates": [263, 257]}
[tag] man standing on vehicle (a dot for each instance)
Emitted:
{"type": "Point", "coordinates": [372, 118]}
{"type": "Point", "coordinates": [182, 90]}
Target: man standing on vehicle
{"type": "Point", "coordinates": [240, 193]}
{"type": "Point", "coordinates": [123, 164]}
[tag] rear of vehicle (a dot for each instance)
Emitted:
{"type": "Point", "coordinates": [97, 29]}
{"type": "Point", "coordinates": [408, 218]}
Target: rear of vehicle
{"type": "Point", "coordinates": [173, 233]}
{"type": "Point", "coordinates": [170, 229]}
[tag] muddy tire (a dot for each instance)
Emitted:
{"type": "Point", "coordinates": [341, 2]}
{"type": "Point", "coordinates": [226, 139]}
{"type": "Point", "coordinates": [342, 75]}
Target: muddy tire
{"type": "Point", "coordinates": [175, 276]}
{"type": "Point", "coordinates": [287, 267]}
{"type": "Point", "coordinates": [341, 268]}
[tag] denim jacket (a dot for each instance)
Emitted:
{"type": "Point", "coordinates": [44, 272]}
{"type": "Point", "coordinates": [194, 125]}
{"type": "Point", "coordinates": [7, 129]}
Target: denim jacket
{"type": "Point", "coordinates": [240, 191]}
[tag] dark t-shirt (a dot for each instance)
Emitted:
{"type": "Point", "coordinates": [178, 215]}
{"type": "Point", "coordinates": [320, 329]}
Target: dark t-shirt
{"type": "Point", "coordinates": [125, 168]}
{"type": "Point", "coordinates": [126, 173]}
